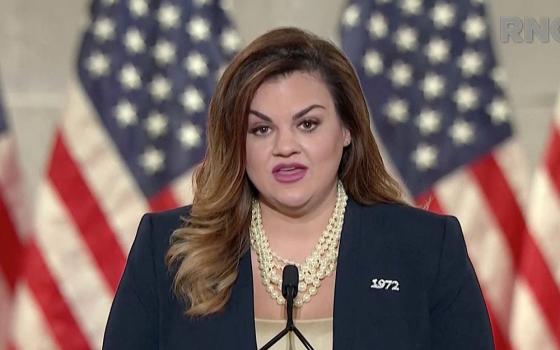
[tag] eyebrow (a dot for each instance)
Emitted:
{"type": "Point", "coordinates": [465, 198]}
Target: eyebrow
{"type": "Point", "coordinates": [295, 117]}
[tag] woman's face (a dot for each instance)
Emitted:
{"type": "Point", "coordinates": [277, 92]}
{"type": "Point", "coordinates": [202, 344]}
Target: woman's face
{"type": "Point", "coordinates": [294, 141]}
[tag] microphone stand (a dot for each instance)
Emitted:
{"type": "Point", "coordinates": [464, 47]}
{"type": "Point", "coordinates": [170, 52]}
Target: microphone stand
{"type": "Point", "coordinates": [290, 279]}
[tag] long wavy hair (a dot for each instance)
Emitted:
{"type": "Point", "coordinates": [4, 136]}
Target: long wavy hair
{"type": "Point", "coordinates": [204, 253]}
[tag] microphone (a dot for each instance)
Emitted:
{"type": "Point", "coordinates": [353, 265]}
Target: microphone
{"type": "Point", "coordinates": [290, 281]}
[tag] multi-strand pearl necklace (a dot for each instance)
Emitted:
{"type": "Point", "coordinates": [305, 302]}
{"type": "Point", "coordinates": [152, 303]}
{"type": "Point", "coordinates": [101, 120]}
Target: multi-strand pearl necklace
{"type": "Point", "coordinates": [320, 264]}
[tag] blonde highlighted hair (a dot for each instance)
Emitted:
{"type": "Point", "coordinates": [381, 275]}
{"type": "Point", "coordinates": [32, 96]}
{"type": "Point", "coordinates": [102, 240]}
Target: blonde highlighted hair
{"type": "Point", "coordinates": [204, 254]}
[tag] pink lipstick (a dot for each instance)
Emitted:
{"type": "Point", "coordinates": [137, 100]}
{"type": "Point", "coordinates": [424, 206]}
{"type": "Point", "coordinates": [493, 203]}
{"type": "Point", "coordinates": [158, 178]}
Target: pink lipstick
{"type": "Point", "coordinates": [288, 173]}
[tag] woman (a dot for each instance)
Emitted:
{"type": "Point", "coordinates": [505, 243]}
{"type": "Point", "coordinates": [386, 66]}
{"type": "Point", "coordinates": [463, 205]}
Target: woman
{"type": "Point", "coordinates": [292, 174]}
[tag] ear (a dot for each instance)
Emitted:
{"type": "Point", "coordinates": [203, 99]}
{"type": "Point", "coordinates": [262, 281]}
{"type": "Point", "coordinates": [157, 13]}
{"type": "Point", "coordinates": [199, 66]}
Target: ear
{"type": "Point", "coordinates": [347, 137]}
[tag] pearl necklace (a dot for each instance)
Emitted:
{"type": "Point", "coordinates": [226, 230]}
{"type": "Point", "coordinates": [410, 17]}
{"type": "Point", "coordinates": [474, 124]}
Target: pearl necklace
{"type": "Point", "coordinates": [320, 264]}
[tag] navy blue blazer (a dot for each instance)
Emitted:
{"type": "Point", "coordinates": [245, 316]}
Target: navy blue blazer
{"type": "Point", "coordinates": [437, 305]}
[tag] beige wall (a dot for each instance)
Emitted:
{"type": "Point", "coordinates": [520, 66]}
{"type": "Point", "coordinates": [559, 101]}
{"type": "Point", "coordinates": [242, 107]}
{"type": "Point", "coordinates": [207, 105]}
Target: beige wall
{"type": "Point", "coordinates": [38, 43]}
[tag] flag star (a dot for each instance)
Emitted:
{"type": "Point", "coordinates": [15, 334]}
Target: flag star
{"type": "Point", "coordinates": [230, 41]}
{"type": "Point", "coordinates": [397, 111]}
{"type": "Point", "coordinates": [433, 86]}
{"type": "Point", "coordinates": [97, 64]}
{"type": "Point", "coordinates": [466, 98]}
{"type": "Point", "coordinates": [192, 100]}
{"type": "Point", "coordinates": [134, 41]}
{"type": "Point", "coordinates": [499, 76]}
{"type": "Point", "coordinates": [168, 16]}
{"type": "Point", "coordinates": [461, 132]}
{"type": "Point", "coordinates": [499, 110]}
{"type": "Point", "coordinates": [129, 77]}
{"type": "Point", "coordinates": [138, 8]}
{"type": "Point", "coordinates": [470, 63]}
{"type": "Point", "coordinates": [199, 29]}
{"type": "Point", "coordinates": [372, 62]}
{"type": "Point", "coordinates": [406, 38]}
{"type": "Point", "coordinates": [411, 7]}
{"type": "Point", "coordinates": [428, 121]}
{"type": "Point", "coordinates": [160, 88]}
{"type": "Point", "coordinates": [189, 135]}
{"type": "Point", "coordinates": [152, 160]}
{"type": "Point", "coordinates": [201, 3]}
{"type": "Point", "coordinates": [156, 125]}
{"type": "Point", "coordinates": [196, 65]}
{"type": "Point", "coordinates": [425, 157]}
{"type": "Point", "coordinates": [443, 15]}
{"type": "Point", "coordinates": [377, 26]}
{"type": "Point", "coordinates": [401, 74]}
{"type": "Point", "coordinates": [474, 28]}
{"type": "Point", "coordinates": [437, 50]}
{"type": "Point", "coordinates": [351, 16]}
{"type": "Point", "coordinates": [125, 112]}
{"type": "Point", "coordinates": [103, 29]}
{"type": "Point", "coordinates": [164, 52]}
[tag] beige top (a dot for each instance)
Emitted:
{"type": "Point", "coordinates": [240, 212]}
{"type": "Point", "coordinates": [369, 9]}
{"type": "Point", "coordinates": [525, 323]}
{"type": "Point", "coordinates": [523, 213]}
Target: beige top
{"type": "Point", "coordinates": [318, 332]}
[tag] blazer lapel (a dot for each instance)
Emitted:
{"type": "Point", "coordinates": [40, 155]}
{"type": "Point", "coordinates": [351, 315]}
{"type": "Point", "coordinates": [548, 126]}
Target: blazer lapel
{"type": "Point", "coordinates": [346, 295]}
{"type": "Point", "coordinates": [242, 299]}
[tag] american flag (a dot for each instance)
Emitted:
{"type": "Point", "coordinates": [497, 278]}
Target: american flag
{"type": "Point", "coordinates": [543, 215]}
{"type": "Point", "coordinates": [436, 97]}
{"type": "Point", "coordinates": [132, 132]}
{"type": "Point", "coordinates": [12, 228]}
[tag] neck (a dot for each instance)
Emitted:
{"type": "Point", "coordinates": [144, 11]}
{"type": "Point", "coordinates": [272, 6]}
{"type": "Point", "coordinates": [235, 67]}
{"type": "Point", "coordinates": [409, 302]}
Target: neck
{"type": "Point", "coordinates": [293, 234]}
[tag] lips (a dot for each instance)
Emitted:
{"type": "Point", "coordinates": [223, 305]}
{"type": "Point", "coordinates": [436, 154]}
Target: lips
{"type": "Point", "coordinates": [287, 173]}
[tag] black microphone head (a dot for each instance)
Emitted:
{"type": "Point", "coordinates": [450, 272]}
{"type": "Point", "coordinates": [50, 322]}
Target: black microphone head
{"type": "Point", "coordinates": [290, 280]}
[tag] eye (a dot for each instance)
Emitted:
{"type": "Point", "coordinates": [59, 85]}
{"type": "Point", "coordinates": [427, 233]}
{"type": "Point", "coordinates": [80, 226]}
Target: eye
{"type": "Point", "coordinates": [260, 130]}
{"type": "Point", "coordinates": [308, 125]}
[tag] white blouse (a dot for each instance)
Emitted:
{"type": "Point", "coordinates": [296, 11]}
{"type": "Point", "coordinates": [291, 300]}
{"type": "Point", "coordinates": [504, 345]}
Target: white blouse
{"type": "Point", "coordinates": [318, 332]}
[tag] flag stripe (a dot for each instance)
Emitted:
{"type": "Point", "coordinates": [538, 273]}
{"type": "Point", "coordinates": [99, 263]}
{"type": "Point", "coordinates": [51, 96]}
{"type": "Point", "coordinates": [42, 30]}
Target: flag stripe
{"type": "Point", "coordinates": [508, 215]}
{"type": "Point", "coordinates": [525, 312]}
{"type": "Point", "coordinates": [102, 169]}
{"type": "Point", "coordinates": [72, 265]}
{"type": "Point", "coordinates": [46, 293]}
{"type": "Point", "coordinates": [163, 200]}
{"type": "Point", "coordinates": [501, 342]}
{"type": "Point", "coordinates": [86, 214]}
{"type": "Point", "coordinates": [544, 224]}
{"type": "Point", "coordinates": [429, 202]}
{"type": "Point", "coordinates": [30, 321]}
{"type": "Point", "coordinates": [552, 159]}
{"type": "Point", "coordinates": [10, 249]}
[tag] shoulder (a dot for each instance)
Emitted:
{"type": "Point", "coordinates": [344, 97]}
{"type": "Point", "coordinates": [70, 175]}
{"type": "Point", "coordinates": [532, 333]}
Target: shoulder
{"type": "Point", "coordinates": [411, 238]}
{"type": "Point", "coordinates": [153, 235]}
{"type": "Point", "coordinates": [408, 223]}
{"type": "Point", "coordinates": [160, 225]}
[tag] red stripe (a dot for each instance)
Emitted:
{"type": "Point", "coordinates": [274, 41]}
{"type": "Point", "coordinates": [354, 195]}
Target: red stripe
{"type": "Point", "coordinates": [524, 252]}
{"type": "Point", "coordinates": [86, 214]}
{"type": "Point", "coordinates": [429, 201]}
{"type": "Point", "coordinates": [163, 200]}
{"type": "Point", "coordinates": [58, 315]}
{"type": "Point", "coordinates": [10, 249]}
{"type": "Point", "coordinates": [501, 342]}
{"type": "Point", "coordinates": [552, 159]}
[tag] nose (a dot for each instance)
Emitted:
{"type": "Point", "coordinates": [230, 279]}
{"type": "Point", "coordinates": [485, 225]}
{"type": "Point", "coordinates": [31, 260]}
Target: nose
{"type": "Point", "coordinates": [285, 143]}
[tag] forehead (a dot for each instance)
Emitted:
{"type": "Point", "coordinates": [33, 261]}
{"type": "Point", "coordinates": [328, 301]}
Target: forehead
{"type": "Point", "coordinates": [294, 90]}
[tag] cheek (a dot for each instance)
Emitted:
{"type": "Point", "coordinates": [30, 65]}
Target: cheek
{"type": "Point", "coordinates": [255, 159]}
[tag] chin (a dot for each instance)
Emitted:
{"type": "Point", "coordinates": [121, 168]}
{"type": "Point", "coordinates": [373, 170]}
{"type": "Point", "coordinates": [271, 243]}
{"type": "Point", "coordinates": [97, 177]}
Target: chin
{"type": "Point", "coordinates": [288, 198]}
